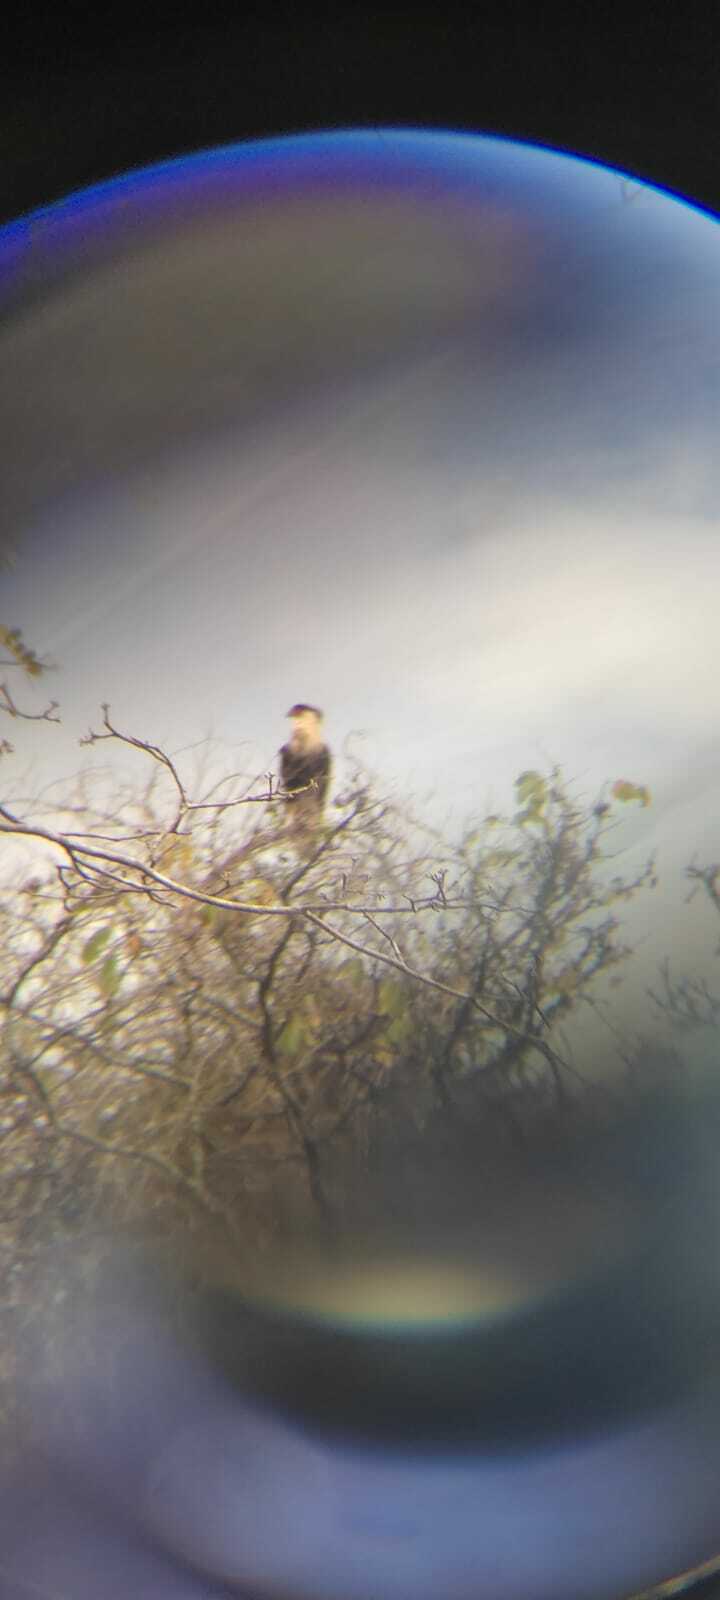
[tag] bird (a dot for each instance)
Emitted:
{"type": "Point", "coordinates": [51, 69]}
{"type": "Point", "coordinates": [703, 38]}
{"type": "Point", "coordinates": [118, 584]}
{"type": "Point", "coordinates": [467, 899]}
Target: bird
{"type": "Point", "coordinates": [305, 765]}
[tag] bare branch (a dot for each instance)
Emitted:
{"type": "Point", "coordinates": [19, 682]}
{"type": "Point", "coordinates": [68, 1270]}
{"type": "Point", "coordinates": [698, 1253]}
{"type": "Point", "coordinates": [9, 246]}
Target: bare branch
{"type": "Point", "coordinates": [82, 857]}
{"type": "Point", "coordinates": [417, 977]}
{"type": "Point", "coordinates": [9, 705]}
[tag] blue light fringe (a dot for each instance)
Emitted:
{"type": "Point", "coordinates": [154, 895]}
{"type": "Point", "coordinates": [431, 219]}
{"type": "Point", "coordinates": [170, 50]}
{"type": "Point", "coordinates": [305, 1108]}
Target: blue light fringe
{"type": "Point", "coordinates": [276, 152]}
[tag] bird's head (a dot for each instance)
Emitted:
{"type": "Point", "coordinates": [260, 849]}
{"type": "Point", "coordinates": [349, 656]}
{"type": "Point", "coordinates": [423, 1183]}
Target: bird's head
{"type": "Point", "coordinates": [306, 723]}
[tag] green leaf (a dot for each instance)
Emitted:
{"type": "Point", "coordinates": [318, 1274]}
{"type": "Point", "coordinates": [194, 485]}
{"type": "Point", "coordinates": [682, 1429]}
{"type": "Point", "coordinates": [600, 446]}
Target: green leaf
{"type": "Point", "coordinates": [499, 858]}
{"type": "Point", "coordinates": [110, 977]}
{"type": "Point", "coordinates": [624, 791]}
{"type": "Point", "coordinates": [532, 813]}
{"type": "Point", "coordinates": [292, 1036]}
{"type": "Point", "coordinates": [310, 1011]}
{"type": "Point", "coordinates": [261, 892]}
{"type": "Point", "coordinates": [177, 856]}
{"type": "Point", "coordinates": [93, 946]}
{"type": "Point", "coordinates": [392, 998]}
{"type": "Point", "coordinates": [354, 971]}
{"type": "Point", "coordinates": [399, 1030]}
{"type": "Point", "coordinates": [530, 788]}
{"type": "Point", "coordinates": [26, 658]}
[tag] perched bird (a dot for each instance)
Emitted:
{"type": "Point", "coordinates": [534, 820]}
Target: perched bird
{"type": "Point", "coordinates": [305, 767]}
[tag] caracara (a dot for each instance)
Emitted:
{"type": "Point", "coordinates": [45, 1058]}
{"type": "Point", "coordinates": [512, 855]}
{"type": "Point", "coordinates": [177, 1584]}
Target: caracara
{"type": "Point", "coordinates": [305, 767]}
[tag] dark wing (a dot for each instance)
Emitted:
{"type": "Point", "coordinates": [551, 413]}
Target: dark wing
{"type": "Point", "coordinates": [289, 764]}
{"type": "Point", "coordinates": [321, 773]}
{"type": "Point", "coordinates": [298, 769]}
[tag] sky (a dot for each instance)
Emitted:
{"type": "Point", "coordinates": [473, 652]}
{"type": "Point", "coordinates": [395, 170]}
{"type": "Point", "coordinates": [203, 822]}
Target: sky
{"type": "Point", "coordinates": [421, 429]}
